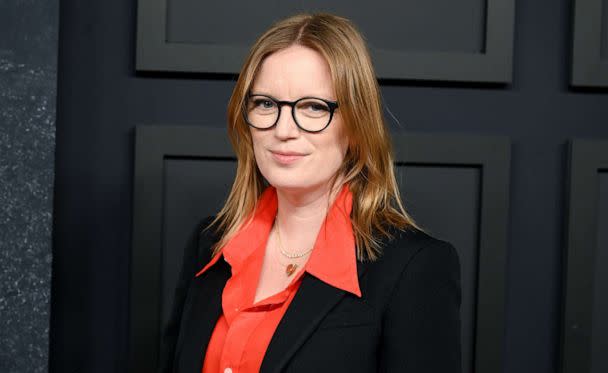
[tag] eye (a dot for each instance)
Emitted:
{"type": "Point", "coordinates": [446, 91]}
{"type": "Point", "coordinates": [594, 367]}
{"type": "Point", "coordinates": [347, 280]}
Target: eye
{"type": "Point", "coordinates": [263, 103]}
{"type": "Point", "coordinates": [313, 106]}
{"type": "Point", "coordinates": [316, 106]}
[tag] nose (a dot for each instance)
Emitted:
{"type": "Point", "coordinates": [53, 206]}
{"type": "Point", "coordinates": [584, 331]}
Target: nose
{"type": "Point", "coordinates": [286, 127]}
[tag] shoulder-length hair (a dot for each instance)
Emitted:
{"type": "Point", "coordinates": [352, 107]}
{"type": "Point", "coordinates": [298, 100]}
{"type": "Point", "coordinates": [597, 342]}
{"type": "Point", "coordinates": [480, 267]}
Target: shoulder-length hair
{"type": "Point", "coordinates": [368, 163]}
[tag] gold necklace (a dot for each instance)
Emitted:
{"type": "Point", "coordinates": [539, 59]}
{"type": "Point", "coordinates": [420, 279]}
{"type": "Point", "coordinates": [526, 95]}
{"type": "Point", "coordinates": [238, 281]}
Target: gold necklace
{"type": "Point", "coordinates": [290, 268]}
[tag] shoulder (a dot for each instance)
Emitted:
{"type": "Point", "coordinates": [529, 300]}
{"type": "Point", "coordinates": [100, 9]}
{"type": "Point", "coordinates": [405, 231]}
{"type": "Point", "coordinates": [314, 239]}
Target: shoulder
{"type": "Point", "coordinates": [207, 234]}
{"type": "Point", "coordinates": [421, 306]}
{"type": "Point", "coordinates": [413, 246]}
{"type": "Point", "coordinates": [202, 238]}
{"type": "Point", "coordinates": [416, 259]}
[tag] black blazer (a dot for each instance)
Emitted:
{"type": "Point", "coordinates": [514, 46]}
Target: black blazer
{"type": "Point", "coordinates": [407, 319]}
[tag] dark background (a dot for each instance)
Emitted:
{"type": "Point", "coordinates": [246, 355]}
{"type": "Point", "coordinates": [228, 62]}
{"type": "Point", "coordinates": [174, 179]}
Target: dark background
{"type": "Point", "coordinates": [101, 99]}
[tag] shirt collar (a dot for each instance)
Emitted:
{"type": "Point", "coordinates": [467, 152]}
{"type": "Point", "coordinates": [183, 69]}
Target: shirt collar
{"type": "Point", "coordinates": [333, 259]}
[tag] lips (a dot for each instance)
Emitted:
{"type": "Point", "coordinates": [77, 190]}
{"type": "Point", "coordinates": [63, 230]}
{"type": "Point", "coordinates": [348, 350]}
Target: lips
{"type": "Point", "coordinates": [286, 157]}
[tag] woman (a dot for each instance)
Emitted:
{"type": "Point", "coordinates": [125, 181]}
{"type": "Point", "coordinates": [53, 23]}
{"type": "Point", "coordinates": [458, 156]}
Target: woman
{"type": "Point", "coordinates": [322, 268]}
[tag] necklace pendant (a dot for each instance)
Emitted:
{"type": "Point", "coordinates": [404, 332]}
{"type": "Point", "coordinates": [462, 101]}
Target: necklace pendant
{"type": "Point", "coordinates": [291, 269]}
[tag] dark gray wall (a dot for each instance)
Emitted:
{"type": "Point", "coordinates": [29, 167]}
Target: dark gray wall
{"type": "Point", "coordinates": [599, 360]}
{"type": "Point", "coordinates": [101, 99]}
{"type": "Point", "coordinates": [28, 70]}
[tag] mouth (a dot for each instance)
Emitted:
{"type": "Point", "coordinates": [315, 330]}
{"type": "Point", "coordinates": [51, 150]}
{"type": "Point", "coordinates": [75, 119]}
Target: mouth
{"type": "Point", "coordinates": [284, 157]}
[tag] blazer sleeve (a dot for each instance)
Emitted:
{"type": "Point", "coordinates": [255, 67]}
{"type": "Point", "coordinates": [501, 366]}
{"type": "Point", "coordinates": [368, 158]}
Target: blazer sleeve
{"type": "Point", "coordinates": [190, 264]}
{"type": "Point", "coordinates": [421, 324]}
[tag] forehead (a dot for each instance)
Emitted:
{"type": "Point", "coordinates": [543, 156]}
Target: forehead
{"type": "Point", "coordinates": [294, 72]}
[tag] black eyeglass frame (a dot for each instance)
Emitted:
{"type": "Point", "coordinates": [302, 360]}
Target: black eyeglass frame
{"type": "Point", "coordinates": [333, 105]}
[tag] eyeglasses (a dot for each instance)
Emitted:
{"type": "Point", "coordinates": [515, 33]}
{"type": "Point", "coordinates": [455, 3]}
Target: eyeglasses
{"type": "Point", "coordinates": [311, 114]}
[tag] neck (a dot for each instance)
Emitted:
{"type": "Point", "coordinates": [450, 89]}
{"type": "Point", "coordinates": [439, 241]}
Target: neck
{"type": "Point", "coordinates": [301, 214]}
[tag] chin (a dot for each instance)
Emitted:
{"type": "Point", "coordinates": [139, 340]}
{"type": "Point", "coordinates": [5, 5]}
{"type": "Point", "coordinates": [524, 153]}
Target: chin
{"type": "Point", "coordinates": [295, 179]}
{"type": "Point", "coordinates": [291, 185]}
{"type": "Point", "coordinates": [299, 185]}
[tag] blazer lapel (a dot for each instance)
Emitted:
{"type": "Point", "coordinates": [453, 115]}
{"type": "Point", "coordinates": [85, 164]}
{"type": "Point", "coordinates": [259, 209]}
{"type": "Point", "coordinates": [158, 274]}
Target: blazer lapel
{"type": "Point", "coordinates": [311, 303]}
{"type": "Point", "coordinates": [201, 313]}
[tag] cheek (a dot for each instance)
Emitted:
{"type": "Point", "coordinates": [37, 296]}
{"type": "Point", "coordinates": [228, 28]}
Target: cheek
{"type": "Point", "coordinates": [340, 142]}
{"type": "Point", "coordinates": [333, 154]}
{"type": "Point", "coordinates": [257, 140]}
{"type": "Point", "coordinates": [337, 154]}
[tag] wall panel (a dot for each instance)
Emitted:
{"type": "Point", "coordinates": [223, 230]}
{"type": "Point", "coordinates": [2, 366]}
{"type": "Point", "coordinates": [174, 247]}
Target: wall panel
{"type": "Point", "coordinates": [585, 320]}
{"type": "Point", "coordinates": [469, 40]}
{"type": "Point", "coordinates": [590, 38]}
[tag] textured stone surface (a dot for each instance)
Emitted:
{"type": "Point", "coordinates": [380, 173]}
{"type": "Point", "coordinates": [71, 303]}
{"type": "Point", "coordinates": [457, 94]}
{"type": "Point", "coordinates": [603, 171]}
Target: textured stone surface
{"type": "Point", "coordinates": [28, 60]}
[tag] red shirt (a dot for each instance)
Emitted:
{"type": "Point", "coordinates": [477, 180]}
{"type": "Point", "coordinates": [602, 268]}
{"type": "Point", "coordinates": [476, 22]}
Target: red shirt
{"type": "Point", "coordinates": [244, 330]}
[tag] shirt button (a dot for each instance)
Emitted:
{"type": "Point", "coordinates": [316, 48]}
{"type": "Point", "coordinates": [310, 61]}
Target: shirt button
{"type": "Point", "coordinates": [228, 370]}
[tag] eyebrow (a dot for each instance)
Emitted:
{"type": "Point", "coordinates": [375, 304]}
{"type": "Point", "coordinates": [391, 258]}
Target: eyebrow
{"type": "Point", "coordinates": [262, 94]}
{"type": "Point", "coordinates": [276, 99]}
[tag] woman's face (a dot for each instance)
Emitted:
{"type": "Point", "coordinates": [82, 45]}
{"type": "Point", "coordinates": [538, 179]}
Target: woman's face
{"type": "Point", "coordinates": [288, 157]}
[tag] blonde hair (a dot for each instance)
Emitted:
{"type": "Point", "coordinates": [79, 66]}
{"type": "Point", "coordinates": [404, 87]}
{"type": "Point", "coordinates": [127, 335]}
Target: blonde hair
{"type": "Point", "coordinates": [368, 163]}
